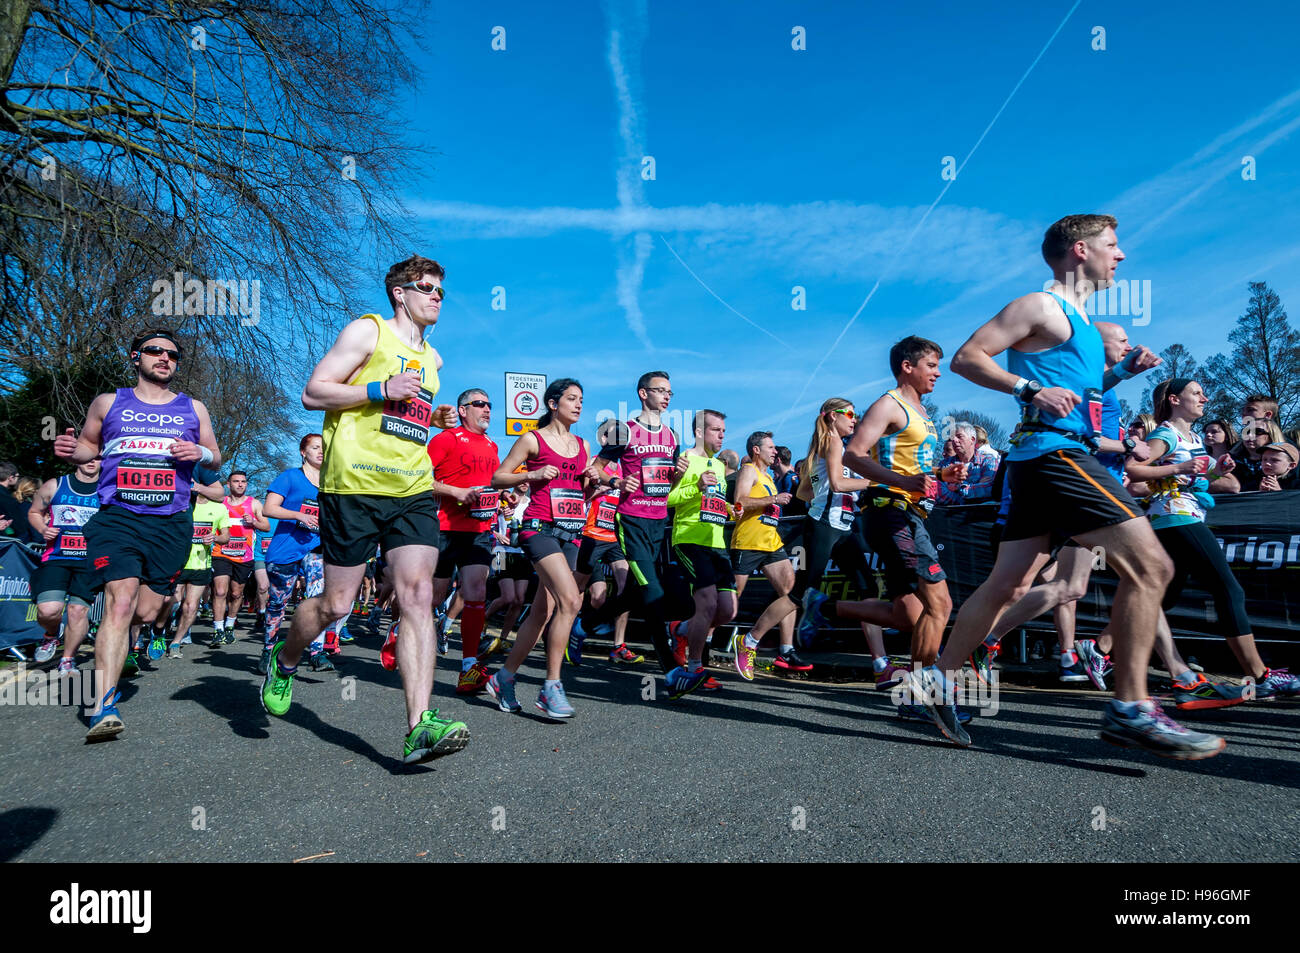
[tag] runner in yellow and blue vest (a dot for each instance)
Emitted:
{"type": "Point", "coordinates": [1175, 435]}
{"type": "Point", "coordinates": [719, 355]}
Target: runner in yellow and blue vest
{"type": "Point", "coordinates": [896, 446]}
{"type": "Point", "coordinates": [377, 385]}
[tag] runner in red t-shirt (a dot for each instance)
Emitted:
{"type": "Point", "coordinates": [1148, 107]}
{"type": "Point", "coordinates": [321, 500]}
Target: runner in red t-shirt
{"type": "Point", "coordinates": [464, 459]}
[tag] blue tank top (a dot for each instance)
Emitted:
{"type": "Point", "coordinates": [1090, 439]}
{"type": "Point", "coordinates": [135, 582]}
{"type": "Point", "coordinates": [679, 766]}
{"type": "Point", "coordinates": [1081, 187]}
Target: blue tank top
{"type": "Point", "coordinates": [1077, 364]}
{"type": "Point", "coordinates": [69, 512]}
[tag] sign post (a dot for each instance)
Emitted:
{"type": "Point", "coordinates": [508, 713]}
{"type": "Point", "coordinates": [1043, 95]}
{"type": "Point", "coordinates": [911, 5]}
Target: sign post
{"type": "Point", "coordinates": [523, 402]}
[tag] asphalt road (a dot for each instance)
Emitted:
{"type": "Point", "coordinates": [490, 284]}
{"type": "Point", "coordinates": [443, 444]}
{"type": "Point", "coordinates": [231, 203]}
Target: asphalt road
{"type": "Point", "coordinates": [769, 770]}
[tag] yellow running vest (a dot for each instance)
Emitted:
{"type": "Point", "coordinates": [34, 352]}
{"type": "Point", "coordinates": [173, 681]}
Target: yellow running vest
{"type": "Point", "coordinates": [757, 529]}
{"type": "Point", "coordinates": [911, 451]}
{"type": "Point", "coordinates": [379, 449]}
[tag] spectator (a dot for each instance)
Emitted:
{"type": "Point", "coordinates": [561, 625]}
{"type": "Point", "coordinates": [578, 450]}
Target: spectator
{"type": "Point", "coordinates": [1247, 454]}
{"type": "Point", "coordinates": [1220, 437]}
{"type": "Point", "coordinates": [10, 508]}
{"type": "Point", "coordinates": [1142, 425]}
{"type": "Point", "coordinates": [24, 490]}
{"type": "Point", "coordinates": [981, 467]}
{"type": "Point", "coordinates": [1292, 436]}
{"type": "Point", "coordinates": [981, 436]}
{"type": "Point", "coordinates": [1278, 461]}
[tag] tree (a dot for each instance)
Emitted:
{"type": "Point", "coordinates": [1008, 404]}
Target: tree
{"type": "Point", "coordinates": [262, 130]}
{"type": "Point", "coordinates": [1265, 360]}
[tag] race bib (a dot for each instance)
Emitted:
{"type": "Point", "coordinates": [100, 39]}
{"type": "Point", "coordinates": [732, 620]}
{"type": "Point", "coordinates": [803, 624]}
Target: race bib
{"type": "Point", "coordinates": [72, 544]}
{"type": "Point", "coordinates": [311, 508]}
{"type": "Point", "coordinates": [1092, 397]}
{"type": "Point", "coordinates": [606, 508]}
{"type": "Point", "coordinates": [567, 511]}
{"type": "Point", "coordinates": [486, 507]}
{"type": "Point", "coordinates": [713, 509]}
{"type": "Point", "coordinates": [771, 516]}
{"type": "Point", "coordinates": [656, 476]}
{"type": "Point", "coordinates": [202, 533]}
{"type": "Point", "coordinates": [266, 544]}
{"type": "Point", "coordinates": [146, 481]}
{"type": "Point", "coordinates": [409, 419]}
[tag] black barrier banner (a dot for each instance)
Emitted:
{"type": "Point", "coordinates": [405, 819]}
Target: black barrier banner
{"type": "Point", "coordinates": [17, 614]}
{"type": "Point", "coordinates": [1259, 533]}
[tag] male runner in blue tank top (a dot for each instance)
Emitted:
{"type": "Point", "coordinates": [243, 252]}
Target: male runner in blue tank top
{"type": "Point", "coordinates": [1056, 372]}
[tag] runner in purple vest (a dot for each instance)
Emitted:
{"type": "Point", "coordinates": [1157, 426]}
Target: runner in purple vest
{"type": "Point", "coordinates": [647, 450]}
{"type": "Point", "coordinates": [149, 438]}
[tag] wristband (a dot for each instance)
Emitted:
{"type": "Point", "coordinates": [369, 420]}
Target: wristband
{"type": "Point", "coordinates": [1122, 372]}
{"type": "Point", "coordinates": [375, 392]}
{"type": "Point", "coordinates": [1020, 385]}
{"type": "Point", "coordinates": [205, 455]}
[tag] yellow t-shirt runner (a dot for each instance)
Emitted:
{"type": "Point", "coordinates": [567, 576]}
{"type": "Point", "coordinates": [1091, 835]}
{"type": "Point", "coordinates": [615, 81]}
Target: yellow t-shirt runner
{"type": "Point", "coordinates": [757, 528]}
{"type": "Point", "coordinates": [378, 449]}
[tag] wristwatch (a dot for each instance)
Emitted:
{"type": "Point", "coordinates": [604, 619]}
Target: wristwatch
{"type": "Point", "coordinates": [1029, 392]}
{"type": "Point", "coordinates": [1130, 444]}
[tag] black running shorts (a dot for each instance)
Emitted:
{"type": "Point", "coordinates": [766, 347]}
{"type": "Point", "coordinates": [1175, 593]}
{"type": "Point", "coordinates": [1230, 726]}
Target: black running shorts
{"type": "Point", "coordinates": [352, 524]}
{"type": "Point", "coordinates": [1064, 493]}
{"type": "Point", "coordinates": [121, 544]}
{"type": "Point", "coordinates": [460, 549]}
{"type": "Point", "coordinates": [538, 544]}
{"type": "Point", "coordinates": [239, 573]}
{"type": "Point", "coordinates": [53, 580]}
{"type": "Point", "coordinates": [705, 566]}
{"type": "Point", "coordinates": [900, 538]}
{"type": "Point", "coordinates": [593, 553]}
{"type": "Point", "coordinates": [746, 561]}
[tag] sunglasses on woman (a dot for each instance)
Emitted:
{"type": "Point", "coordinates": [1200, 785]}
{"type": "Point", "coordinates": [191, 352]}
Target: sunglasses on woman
{"type": "Point", "coordinates": [425, 287]}
{"type": "Point", "coordinates": [846, 412]}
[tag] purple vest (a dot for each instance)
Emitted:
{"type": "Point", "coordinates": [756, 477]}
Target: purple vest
{"type": "Point", "coordinates": [138, 473]}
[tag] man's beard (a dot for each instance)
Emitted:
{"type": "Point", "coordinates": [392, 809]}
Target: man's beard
{"type": "Point", "coordinates": [152, 377]}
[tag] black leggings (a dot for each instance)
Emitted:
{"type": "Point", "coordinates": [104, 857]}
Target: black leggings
{"type": "Point", "coordinates": [1195, 553]}
{"type": "Point", "coordinates": [820, 541]}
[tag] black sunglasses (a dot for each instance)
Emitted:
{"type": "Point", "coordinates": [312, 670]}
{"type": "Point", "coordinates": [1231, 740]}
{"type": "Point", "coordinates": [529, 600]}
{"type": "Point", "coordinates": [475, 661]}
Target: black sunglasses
{"type": "Point", "coordinates": [478, 403]}
{"type": "Point", "coordinates": [153, 350]}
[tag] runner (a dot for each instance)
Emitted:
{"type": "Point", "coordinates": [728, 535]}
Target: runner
{"type": "Point", "coordinates": [516, 574]}
{"type": "Point", "coordinates": [464, 459]}
{"type": "Point", "coordinates": [1056, 371]}
{"type": "Point", "coordinates": [149, 439]}
{"type": "Point", "coordinates": [293, 499]}
{"type": "Point", "coordinates": [600, 550]}
{"type": "Point", "coordinates": [60, 510]}
{"type": "Point", "coordinates": [1065, 580]}
{"type": "Point", "coordinates": [756, 544]}
{"type": "Point", "coordinates": [646, 449]}
{"type": "Point", "coordinates": [232, 563]}
{"type": "Point", "coordinates": [896, 446]}
{"type": "Point", "coordinates": [1180, 474]}
{"type": "Point", "coordinates": [210, 523]}
{"type": "Point", "coordinates": [260, 545]}
{"type": "Point", "coordinates": [557, 462]}
{"type": "Point", "coordinates": [700, 512]}
{"type": "Point", "coordinates": [829, 529]}
{"type": "Point", "coordinates": [377, 385]}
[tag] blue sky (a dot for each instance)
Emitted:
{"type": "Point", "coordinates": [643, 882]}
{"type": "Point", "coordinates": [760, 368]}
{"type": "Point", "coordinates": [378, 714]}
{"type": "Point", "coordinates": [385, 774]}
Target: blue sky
{"type": "Point", "coordinates": [778, 168]}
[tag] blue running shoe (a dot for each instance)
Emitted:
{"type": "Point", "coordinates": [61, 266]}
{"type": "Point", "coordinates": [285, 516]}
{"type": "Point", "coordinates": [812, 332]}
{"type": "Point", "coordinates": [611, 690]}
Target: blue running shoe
{"type": "Point", "coordinates": [502, 691]}
{"type": "Point", "coordinates": [681, 682]}
{"type": "Point", "coordinates": [813, 621]}
{"type": "Point", "coordinates": [444, 644]}
{"type": "Point", "coordinates": [1150, 729]}
{"type": "Point", "coordinates": [577, 636]}
{"type": "Point", "coordinates": [346, 637]}
{"type": "Point", "coordinates": [552, 702]}
{"type": "Point", "coordinates": [157, 647]}
{"type": "Point", "coordinates": [603, 630]}
{"type": "Point", "coordinates": [910, 712]}
{"type": "Point", "coordinates": [1277, 681]}
{"type": "Point", "coordinates": [108, 723]}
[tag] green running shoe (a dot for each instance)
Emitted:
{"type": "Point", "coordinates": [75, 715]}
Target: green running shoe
{"type": "Point", "coordinates": [277, 688]}
{"type": "Point", "coordinates": [434, 737]}
{"type": "Point", "coordinates": [132, 665]}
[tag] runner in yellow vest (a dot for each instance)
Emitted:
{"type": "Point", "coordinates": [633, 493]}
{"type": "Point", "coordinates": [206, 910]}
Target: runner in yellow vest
{"type": "Point", "coordinates": [377, 385]}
